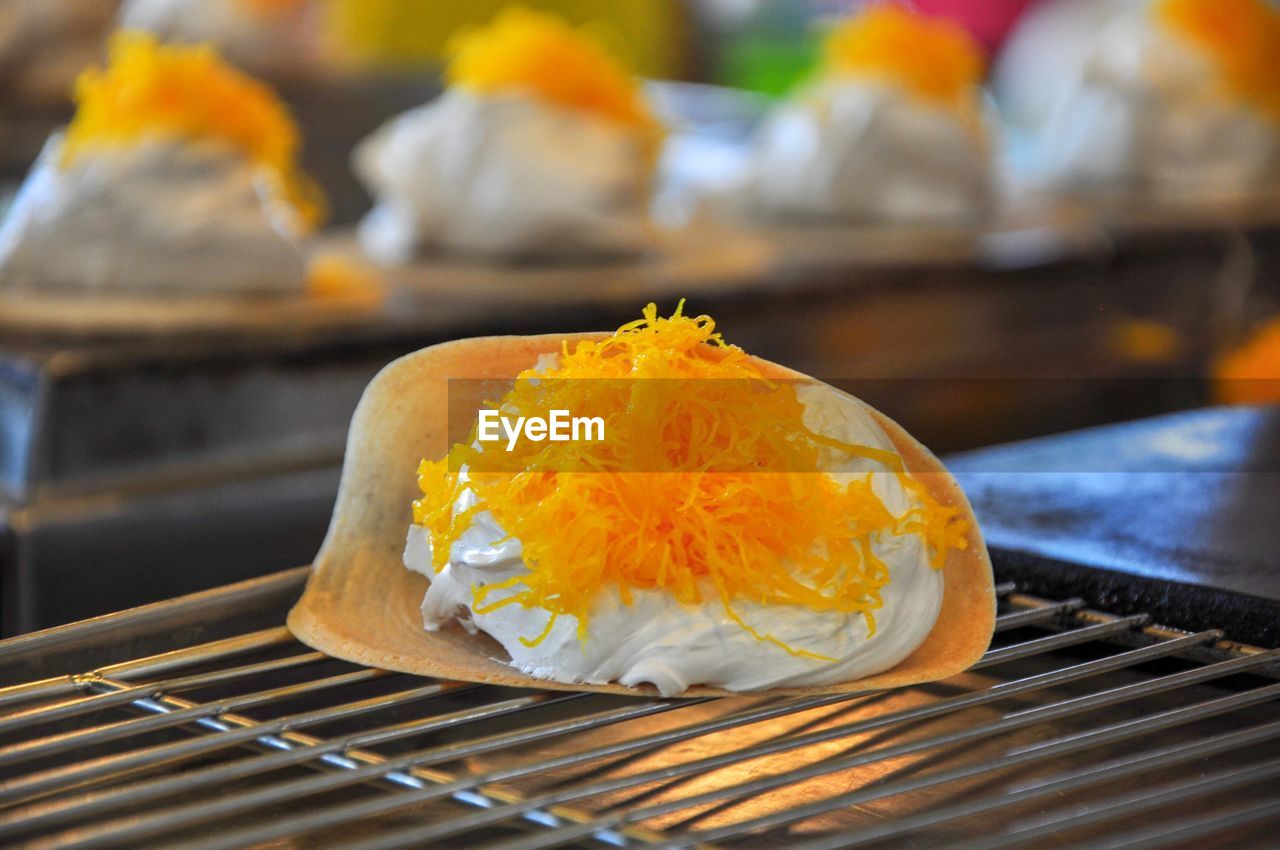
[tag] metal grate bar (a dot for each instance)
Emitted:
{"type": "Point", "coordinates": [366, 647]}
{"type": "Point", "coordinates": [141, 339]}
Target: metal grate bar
{"type": "Point", "coordinates": [1134, 804]}
{"type": "Point", "coordinates": [112, 767]}
{"type": "Point", "coordinates": [151, 665]}
{"type": "Point", "coordinates": [187, 816]}
{"type": "Point", "coordinates": [1074, 637]}
{"type": "Point", "coordinates": [1188, 829]}
{"type": "Point", "coordinates": [1109, 771]}
{"type": "Point", "coordinates": [1037, 616]}
{"type": "Point", "coordinates": [43, 815]}
{"type": "Point", "coordinates": [188, 713]}
{"type": "Point", "coordinates": [369, 765]}
{"type": "Point", "coordinates": [318, 820]}
{"type": "Point", "coordinates": [125, 695]}
{"type": "Point", "coordinates": [360, 767]}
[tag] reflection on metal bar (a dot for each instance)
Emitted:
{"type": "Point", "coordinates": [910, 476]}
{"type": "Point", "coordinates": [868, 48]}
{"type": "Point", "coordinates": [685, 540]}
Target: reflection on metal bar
{"type": "Point", "coordinates": [52, 814]}
{"type": "Point", "coordinates": [189, 713]}
{"type": "Point", "coordinates": [1134, 804]}
{"type": "Point", "coordinates": [1188, 829]}
{"type": "Point", "coordinates": [1037, 616]}
{"type": "Point", "coordinates": [1106, 772]}
{"type": "Point", "coordinates": [125, 695]}
{"type": "Point", "coordinates": [204, 653]}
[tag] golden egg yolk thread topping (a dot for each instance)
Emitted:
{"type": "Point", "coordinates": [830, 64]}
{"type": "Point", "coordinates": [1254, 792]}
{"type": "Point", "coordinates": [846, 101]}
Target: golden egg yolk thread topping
{"type": "Point", "coordinates": [1243, 39]}
{"type": "Point", "coordinates": [540, 54]}
{"type": "Point", "coordinates": [792, 535]}
{"type": "Point", "coordinates": [930, 57]}
{"type": "Point", "coordinates": [150, 89]}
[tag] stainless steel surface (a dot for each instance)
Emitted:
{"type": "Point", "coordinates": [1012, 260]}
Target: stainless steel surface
{"type": "Point", "coordinates": [201, 723]}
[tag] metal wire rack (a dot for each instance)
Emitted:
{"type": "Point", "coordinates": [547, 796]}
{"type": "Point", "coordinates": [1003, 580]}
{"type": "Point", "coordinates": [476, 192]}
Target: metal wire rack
{"type": "Point", "coordinates": [1078, 729]}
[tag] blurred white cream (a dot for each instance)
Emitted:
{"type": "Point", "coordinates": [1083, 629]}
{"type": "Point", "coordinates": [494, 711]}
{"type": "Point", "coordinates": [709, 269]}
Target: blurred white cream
{"type": "Point", "coordinates": [1130, 105]}
{"type": "Point", "coordinates": [861, 149]}
{"type": "Point", "coordinates": [506, 176]}
{"type": "Point", "coordinates": [160, 217]}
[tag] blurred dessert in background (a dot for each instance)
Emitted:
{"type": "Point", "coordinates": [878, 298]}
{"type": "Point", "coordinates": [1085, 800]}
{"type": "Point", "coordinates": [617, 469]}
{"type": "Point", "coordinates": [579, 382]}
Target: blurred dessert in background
{"type": "Point", "coordinates": [1175, 99]}
{"type": "Point", "coordinates": [177, 176]}
{"type": "Point", "coordinates": [890, 128]}
{"type": "Point", "coordinates": [266, 37]}
{"type": "Point", "coordinates": [541, 146]}
{"type": "Point", "coordinates": [1250, 373]}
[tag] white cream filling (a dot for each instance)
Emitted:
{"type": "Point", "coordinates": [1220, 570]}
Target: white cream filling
{"type": "Point", "coordinates": [160, 217]}
{"type": "Point", "coordinates": [1147, 111]}
{"type": "Point", "coordinates": [674, 646]}
{"type": "Point", "coordinates": [503, 175]}
{"type": "Point", "coordinates": [854, 149]}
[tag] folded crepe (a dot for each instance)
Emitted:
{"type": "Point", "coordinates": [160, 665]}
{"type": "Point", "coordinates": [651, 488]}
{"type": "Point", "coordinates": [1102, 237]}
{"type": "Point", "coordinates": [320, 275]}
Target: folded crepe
{"type": "Point", "coordinates": [361, 604]}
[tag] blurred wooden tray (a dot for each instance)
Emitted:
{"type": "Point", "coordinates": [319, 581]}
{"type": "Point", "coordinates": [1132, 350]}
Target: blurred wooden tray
{"type": "Point", "coordinates": [73, 314]}
{"type": "Point", "coordinates": [697, 261]}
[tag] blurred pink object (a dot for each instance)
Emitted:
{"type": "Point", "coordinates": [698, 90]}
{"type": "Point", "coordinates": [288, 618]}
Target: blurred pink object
{"type": "Point", "coordinates": [988, 20]}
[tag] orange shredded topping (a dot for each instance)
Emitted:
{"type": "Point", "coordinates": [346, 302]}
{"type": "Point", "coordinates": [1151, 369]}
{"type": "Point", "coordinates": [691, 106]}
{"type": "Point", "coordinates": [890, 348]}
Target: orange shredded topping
{"type": "Point", "coordinates": [1251, 373]}
{"type": "Point", "coordinates": [522, 50]}
{"type": "Point", "coordinates": [151, 89]}
{"type": "Point", "coordinates": [930, 57]}
{"type": "Point", "coordinates": [705, 526]}
{"type": "Point", "coordinates": [1242, 37]}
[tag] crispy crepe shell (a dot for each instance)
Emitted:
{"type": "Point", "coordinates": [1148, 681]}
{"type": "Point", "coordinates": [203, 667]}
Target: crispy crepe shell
{"type": "Point", "coordinates": [361, 603]}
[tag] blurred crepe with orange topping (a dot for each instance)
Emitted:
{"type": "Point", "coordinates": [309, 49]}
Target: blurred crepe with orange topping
{"type": "Point", "coordinates": [1172, 99]}
{"type": "Point", "coordinates": [891, 128]}
{"type": "Point", "coordinates": [176, 177]}
{"type": "Point", "coordinates": [709, 579]}
{"type": "Point", "coordinates": [542, 145]}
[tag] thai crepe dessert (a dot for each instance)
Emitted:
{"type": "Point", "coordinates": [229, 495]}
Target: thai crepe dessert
{"type": "Point", "coordinates": [891, 128]}
{"type": "Point", "coordinates": [720, 535]}
{"type": "Point", "coordinates": [1177, 99]}
{"type": "Point", "coordinates": [177, 176]}
{"type": "Point", "coordinates": [542, 144]}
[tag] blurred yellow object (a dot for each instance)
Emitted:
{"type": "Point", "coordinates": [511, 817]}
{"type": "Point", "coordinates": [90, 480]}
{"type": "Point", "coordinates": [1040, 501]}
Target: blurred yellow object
{"type": "Point", "coordinates": [1243, 39]}
{"type": "Point", "coordinates": [336, 276]}
{"type": "Point", "coordinates": [1145, 341]}
{"type": "Point", "coordinates": [647, 35]}
{"type": "Point", "coordinates": [179, 92]}
{"type": "Point", "coordinates": [540, 54]}
{"type": "Point", "coordinates": [930, 57]}
{"type": "Point", "coordinates": [1251, 373]}
{"type": "Point", "coordinates": [274, 7]}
